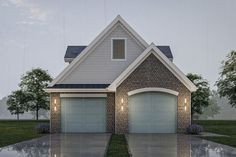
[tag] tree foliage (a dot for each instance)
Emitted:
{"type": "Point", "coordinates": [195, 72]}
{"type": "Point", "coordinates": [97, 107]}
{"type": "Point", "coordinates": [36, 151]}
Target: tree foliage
{"type": "Point", "coordinates": [18, 102]}
{"type": "Point", "coordinates": [227, 81]}
{"type": "Point", "coordinates": [33, 84]}
{"type": "Point", "coordinates": [213, 108]}
{"type": "Point", "coordinates": [199, 98]}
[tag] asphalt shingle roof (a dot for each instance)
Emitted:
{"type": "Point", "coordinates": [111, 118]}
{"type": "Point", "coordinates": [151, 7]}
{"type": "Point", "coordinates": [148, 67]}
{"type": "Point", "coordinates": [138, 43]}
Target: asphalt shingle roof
{"type": "Point", "coordinates": [80, 86]}
{"type": "Point", "coordinates": [74, 51]}
{"type": "Point", "coordinates": [166, 51]}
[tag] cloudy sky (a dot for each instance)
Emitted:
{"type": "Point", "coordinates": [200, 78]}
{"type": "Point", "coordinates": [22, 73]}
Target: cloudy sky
{"type": "Point", "coordinates": [35, 33]}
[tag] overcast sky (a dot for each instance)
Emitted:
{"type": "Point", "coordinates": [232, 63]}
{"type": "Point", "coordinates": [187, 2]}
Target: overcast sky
{"type": "Point", "coordinates": [35, 33]}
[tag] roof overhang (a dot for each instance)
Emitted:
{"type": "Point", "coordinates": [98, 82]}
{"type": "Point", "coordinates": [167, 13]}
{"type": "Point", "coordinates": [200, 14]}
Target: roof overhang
{"type": "Point", "coordinates": [161, 57]}
{"type": "Point", "coordinates": [68, 59]}
{"type": "Point", "coordinates": [75, 90]}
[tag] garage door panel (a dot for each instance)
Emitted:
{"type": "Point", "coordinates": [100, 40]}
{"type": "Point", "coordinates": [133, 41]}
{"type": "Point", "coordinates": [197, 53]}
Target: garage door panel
{"type": "Point", "coordinates": [139, 128]}
{"type": "Point", "coordinates": [139, 115]}
{"type": "Point", "coordinates": [99, 119]}
{"type": "Point", "coordinates": [73, 126]}
{"type": "Point", "coordinates": [152, 112]}
{"type": "Point", "coordinates": [83, 114]}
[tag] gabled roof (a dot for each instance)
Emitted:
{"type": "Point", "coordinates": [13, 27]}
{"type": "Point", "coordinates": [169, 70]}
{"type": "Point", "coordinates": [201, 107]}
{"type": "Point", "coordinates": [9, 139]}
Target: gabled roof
{"type": "Point", "coordinates": [73, 51]}
{"type": "Point", "coordinates": [87, 50]}
{"type": "Point", "coordinates": [161, 57]}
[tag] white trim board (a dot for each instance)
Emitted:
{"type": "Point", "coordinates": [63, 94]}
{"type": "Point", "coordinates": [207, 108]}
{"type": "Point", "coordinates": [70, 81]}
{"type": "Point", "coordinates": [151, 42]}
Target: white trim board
{"type": "Point", "coordinates": [72, 90]}
{"type": "Point", "coordinates": [164, 90]}
{"type": "Point", "coordinates": [83, 95]}
{"type": "Point", "coordinates": [162, 58]}
{"type": "Point", "coordinates": [93, 44]}
{"type": "Point", "coordinates": [125, 39]}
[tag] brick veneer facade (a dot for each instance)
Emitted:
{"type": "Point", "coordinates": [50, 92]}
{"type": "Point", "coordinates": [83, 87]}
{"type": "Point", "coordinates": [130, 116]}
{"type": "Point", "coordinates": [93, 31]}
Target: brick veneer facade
{"type": "Point", "coordinates": [151, 73]}
{"type": "Point", "coordinates": [55, 122]}
{"type": "Point", "coordinates": [111, 112]}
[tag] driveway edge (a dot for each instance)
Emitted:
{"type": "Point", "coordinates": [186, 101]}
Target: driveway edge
{"type": "Point", "coordinates": [126, 138]}
{"type": "Point", "coordinates": [231, 148]}
{"type": "Point", "coordinates": [108, 144]}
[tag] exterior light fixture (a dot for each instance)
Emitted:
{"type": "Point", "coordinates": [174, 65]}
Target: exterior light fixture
{"type": "Point", "coordinates": [185, 104]}
{"type": "Point", "coordinates": [122, 102]}
{"type": "Point", "coordinates": [55, 104]}
{"type": "Point", "coordinates": [55, 108]}
{"type": "Point", "coordinates": [122, 108]}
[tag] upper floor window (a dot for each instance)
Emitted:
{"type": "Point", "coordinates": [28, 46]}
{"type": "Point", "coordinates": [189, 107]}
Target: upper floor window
{"type": "Point", "coordinates": [118, 48]}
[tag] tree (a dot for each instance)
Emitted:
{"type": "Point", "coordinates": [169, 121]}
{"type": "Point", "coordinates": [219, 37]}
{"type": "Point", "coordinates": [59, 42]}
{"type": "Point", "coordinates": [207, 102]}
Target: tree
{"type": "Point", "coordinates": [199, 98]}
{"type": "Point", "coordinates": [227, 81]}
{"type": "Point", "coordinates": [17, 103]}
{"type": "Point", "coordinates": [34, 83]}
{"type": "Point", "coordinates": [213, 108]}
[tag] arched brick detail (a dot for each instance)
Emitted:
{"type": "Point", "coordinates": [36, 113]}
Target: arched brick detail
{"type": "Point", "coordinates": [151, 73]}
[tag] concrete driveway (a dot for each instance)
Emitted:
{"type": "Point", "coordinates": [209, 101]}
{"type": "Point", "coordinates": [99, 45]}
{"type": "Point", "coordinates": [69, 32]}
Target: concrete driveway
{"type": "Point", "coordinates": [173, 145]}
{"type": "Point", "coordinates": [60, 145]}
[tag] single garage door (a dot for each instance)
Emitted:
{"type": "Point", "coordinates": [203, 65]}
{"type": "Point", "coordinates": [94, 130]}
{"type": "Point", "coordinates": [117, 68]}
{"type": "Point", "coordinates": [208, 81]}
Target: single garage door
{"type": "Point", "coordinates": [152, 112]}
{"type": "Point", "coordinates": [83, 115]}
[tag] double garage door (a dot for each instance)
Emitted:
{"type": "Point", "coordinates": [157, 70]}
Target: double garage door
{"type": "Point", "coordinates": [149, 112]}
{"type": "Point", "coordinates": [83, 115]}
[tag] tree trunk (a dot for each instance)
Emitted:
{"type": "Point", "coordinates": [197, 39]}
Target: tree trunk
{"type": "Point", "coordinates": [191, 115]}
{"type": "Point", "coordinates": [17, 113]}
{"type": "Point", "coordinates": [37, 112]}
{"type": "Point", "coordinates": [191, 119]}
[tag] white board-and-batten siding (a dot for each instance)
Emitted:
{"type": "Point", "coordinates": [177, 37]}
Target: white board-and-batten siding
{"type": "Point", "coordinates": [98, 67]}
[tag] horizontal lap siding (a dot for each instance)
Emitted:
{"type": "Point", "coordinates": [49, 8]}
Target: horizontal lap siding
{"type": "Point", "coordinates": [98, 66]}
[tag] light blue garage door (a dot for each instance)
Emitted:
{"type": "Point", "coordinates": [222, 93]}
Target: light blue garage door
{"type": "Point", "coordinates": [83, 115]}
{"type": "Point", "coordinates": [152, 112]}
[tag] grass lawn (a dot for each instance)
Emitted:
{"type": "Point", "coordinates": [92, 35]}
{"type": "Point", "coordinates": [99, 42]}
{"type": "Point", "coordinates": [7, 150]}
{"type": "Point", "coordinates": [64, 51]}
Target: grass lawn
{"type": "Point", "coordinates": [12, 131]}
{"type": "Point", "coordinates": [220, 127]}
{"type": "Point", "coordinates": [118, 146]}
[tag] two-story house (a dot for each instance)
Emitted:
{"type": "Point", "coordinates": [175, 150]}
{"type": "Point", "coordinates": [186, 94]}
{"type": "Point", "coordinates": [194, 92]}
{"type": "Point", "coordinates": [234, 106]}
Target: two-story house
{"type": "Point", "coordinates": [120, 83]}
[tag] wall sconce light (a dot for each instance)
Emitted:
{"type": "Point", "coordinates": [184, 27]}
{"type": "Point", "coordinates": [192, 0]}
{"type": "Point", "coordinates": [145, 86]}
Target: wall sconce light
{"type": "Point", "coordinates": [55, 103]}
{"type": "Point", "coordinates": [122, 102]}
{"type": "Point", "coordinates": [185, 104]}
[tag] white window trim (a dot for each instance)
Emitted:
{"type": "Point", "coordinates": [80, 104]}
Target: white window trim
{"type": "Point", "coordinates": [164, 90]}
{"type": "Point", "coordinates": [112, 49]}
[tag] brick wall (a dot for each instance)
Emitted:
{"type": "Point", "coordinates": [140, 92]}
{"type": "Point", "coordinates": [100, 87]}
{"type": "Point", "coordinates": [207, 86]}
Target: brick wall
{"type": "Point", "coordinates": [55, 120]}
{"type": "Point", "coordinates": [111, 112]}
{"type": "Point", "coordinates": [151, 73]}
